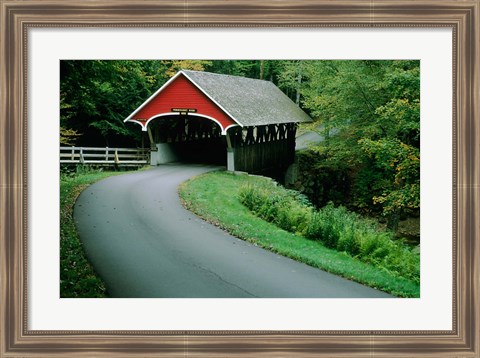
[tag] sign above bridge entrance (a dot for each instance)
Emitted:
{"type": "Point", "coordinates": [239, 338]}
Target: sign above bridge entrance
{"type": "Point", "coordinates": [184, 110]}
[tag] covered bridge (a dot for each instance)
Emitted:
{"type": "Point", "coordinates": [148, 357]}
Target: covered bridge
{"type": "Point", "coordinates": [246, 124]}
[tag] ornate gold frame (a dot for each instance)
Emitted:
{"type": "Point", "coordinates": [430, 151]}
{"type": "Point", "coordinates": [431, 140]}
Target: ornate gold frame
{"type": "Point", "coordinates": [17, 16]}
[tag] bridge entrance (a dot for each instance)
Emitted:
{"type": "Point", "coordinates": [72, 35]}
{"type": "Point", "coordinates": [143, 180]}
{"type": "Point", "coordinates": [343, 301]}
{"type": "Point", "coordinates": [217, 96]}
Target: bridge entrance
{"type": "Point", "coordinates": [187, 138]}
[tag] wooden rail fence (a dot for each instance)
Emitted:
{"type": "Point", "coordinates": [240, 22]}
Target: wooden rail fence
{"type": "Point", "coordinates": [104, 156]}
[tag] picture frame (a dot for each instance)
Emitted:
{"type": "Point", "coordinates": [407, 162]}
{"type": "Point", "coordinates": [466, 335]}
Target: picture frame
{"type": "Point", "coordinates": [17, 17]}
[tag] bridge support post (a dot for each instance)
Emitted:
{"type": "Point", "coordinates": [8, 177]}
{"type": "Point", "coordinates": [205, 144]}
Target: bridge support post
{"type": "Point", "coordinates": [150, 138]}
{"type": "Point", "coordinates": [230, 154]}
{"type": "Point", "coordinates": [230, 159]}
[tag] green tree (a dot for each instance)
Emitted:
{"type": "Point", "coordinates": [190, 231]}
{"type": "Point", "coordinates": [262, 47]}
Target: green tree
{"type": "Point", "coordinates": [369, 115]}
{"type": "Point", "coordinates": [176, 65]}
{"type": "Point", "coordinates": [96, 96]}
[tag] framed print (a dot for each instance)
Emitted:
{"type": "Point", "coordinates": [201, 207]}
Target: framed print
{"type": "Point", "coordinates": [38, 36]}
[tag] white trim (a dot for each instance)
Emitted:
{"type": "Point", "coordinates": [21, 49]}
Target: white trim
{"type": "Point", "coordinates": [144, 129]}
{"type": "Point", "coordinates": [232, 125]}
{"type": "Point", "coordinates": [224, 130]}
{"type": "Point", "coordinates": [152, 96]}
{"type": "Point", "coordinates": [206, 94]}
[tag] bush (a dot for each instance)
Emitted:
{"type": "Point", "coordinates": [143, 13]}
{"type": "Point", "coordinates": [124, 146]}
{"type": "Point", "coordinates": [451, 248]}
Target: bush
{"type": "Point", "coordinates": [287, 209]}
{"type": "Point", "coordinates": [335, 227]}
{"type": "Point", "coordinates": [327, 225]}
{"type": "Point", "coordinates": [346, 231]}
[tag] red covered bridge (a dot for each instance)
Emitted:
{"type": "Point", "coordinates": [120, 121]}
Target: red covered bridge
{"type": "Point", "coordinates": [247, 124]}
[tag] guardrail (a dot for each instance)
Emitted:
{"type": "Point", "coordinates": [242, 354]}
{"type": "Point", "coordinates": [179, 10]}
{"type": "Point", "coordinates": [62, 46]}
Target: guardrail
{"type": "Point", "coordinates": [104, 156]}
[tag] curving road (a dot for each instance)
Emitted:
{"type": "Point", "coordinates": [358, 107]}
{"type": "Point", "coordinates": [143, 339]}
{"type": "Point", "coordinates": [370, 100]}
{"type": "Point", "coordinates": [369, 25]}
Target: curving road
{"type": "Point", "coordinates": [143, 243]}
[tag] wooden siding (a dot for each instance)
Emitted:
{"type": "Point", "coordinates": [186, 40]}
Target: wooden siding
{"type": "Point", "coordinates": [262, 157]}
{"type": "Point", "coordinates": [181, 93]}
{"type": "Point", "coordinates": [264, 148]}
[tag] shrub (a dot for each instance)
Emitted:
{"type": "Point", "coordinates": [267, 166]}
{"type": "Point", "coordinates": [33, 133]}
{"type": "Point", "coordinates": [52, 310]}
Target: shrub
{"type": "Point", "coordinates": [347, 241]}
{"type": "Point", "coordinates": [287, 209]}
{"type": "Point", "coordinates": [327, 225]}
{"type": "Point", "coordinates": [335, 227]}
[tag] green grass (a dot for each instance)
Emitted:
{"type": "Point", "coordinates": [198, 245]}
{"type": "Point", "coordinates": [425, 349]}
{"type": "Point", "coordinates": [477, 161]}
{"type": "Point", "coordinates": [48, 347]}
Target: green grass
{"type": "Point", "coordinates": [77, 277]}
{"type": "Point", "coordinates": [215, 197]}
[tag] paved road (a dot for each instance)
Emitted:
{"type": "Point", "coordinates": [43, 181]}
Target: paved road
{"type": "Point", "coordinates": [143, 243]}
{"type": "Point", "coordinates": [307, 139]}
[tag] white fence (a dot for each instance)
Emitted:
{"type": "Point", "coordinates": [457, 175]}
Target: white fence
{"type": "Point", "coordinates": [104, 156]}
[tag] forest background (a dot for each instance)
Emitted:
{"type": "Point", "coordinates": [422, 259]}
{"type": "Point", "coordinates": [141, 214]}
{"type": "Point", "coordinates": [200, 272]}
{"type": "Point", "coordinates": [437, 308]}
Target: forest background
{"type": "Point", "coordinates": [367, 112]}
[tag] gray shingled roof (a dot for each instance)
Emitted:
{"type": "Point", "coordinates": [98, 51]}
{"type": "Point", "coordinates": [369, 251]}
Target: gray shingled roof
{"type": "Point", "coordinates": [250, 102]}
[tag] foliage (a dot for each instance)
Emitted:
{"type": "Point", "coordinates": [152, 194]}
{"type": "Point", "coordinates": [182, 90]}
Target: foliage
{"type": "Point", "coordinates": [68, 136]}
{"type": "Point", "coordinates": [215, 197]}
{"type": "Point", "coordinates": [369, 115]}
{"type": "Point", "coordinates": [401, 162]}
{"type": "Point", "coordinates": [335, 227]}
{"type": "Point", "coordinates": [176, 65]}
{"type": "Point", "coordinates": [268, 70]}
{"type": "Point", "coordinates": [345, 231]}
{"type": "Point", "coordinates": [96, 96]}
{"type": "Point", "coordinates": [287, 209]}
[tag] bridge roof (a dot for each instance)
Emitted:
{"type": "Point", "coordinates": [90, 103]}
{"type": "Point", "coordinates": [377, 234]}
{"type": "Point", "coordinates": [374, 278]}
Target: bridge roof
{"type": "Point", "coordinates": [250, 102]}
{"type": "Point", "coordinates": [246, 101]}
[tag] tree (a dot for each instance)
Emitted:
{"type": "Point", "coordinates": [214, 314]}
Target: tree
{"type": "Point", "coordinates": [369, 115]}
{"type": "Point", "coordinates": [398, 151]}
{"type": "Point", "coordinates": [96, 96]}
{"type": "Point", "coordinates": [176, 65]}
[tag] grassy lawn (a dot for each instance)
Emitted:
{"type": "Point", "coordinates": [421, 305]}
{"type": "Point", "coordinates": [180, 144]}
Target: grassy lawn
{"type": "Point", "coordinates": [214, 197]}
{"type": "Point", "coordinates": [77, 277]}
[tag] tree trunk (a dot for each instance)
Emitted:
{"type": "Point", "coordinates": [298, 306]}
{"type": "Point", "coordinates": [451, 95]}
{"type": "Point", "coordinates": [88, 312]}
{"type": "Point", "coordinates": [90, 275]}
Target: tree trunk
{"type": "Point", "coordinates": [393, 219]}
{"type": "Point", "coordinates": [299, 81]}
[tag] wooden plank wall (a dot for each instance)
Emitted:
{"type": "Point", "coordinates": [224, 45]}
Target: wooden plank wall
{"type": "Point", "coordinates": [264, 148]}
{"type": "Point", "coordinates": [261, 157]}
